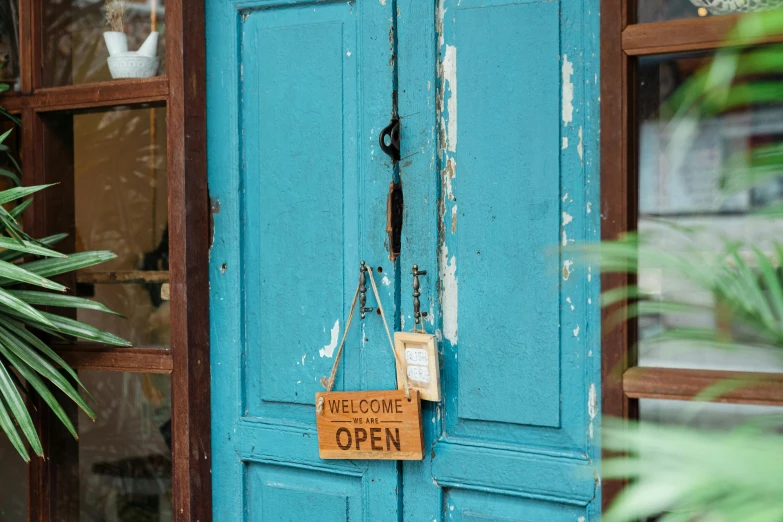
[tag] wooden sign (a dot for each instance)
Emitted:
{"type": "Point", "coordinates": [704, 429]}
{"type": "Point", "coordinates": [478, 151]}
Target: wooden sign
{"type": "Point", "coordinates": [381, 425]}
{"type": "Point", "coordinates": [418, 354]}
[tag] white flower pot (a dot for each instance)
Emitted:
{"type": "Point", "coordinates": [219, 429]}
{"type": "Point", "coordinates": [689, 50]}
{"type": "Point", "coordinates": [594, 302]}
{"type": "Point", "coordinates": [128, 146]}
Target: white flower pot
{"type": "Point", "coordinates": [133, 66]}
{"type": "Point", "coordinates": [143, 63]}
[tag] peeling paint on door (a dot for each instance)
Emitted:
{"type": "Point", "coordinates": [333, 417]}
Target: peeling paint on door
{"type": "Point", "coordinates": [328, 349]}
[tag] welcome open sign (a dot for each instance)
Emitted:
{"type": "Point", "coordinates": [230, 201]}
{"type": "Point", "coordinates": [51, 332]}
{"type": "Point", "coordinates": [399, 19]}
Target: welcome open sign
{"type": "Point", "coordinates": [381, 425]}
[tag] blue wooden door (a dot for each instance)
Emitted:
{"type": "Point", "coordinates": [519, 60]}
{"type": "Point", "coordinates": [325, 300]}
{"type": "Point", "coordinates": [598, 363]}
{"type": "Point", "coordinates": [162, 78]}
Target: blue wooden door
{"type": "Point", "coordinates": [498, 106]}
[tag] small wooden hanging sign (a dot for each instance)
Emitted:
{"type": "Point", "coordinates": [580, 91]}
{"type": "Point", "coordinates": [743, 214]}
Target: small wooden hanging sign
{"type": "Point", "coordinates": [417, 359]}
{"type": "Point", "coordinates": [382, 425]}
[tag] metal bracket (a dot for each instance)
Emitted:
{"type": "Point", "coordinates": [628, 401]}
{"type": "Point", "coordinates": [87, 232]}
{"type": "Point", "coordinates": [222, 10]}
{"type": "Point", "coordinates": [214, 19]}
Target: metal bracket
{"type": "Point", "coordinates": [417, 315]}
{"type": "Point", "coordinates": [363, 291]}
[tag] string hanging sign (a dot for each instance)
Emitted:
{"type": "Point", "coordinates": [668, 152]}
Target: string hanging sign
{"type": "Point", "coordinates": [378, 425]}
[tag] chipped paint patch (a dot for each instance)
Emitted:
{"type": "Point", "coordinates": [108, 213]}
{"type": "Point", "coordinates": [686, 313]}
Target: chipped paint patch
{"type": "Point", "coordinates": [581, 519]}
{"type": "Point", "coordinates": [449, 80]}
{"type": "Point", "coordinates": [568, 300]}
{"type": "Point", "coordinates": [304, 356]}
{"type": "Point", "coordinates": [592, 406]}
{"type": "Point", "coordinates": [565, 238]}
{"type": "Point", "coordinates": [447, 174]}
{"type": "Point", "coordinates": [383, 2]}
{"type": "Point", "coordinates": [448, 281]}
{"type": "Point", "coordinates": [576, 331]}
{"type": "Point", "coordinates": [568, 91]}
{"type": "Point", "coordinates": [565, 143]}
{"type": "Point", "coordinates": [579, 146]}
{"type": "Point", "coordinates": [589, 207]}
{"type": "Point", "coordinates": [454, 219]}
{"type": "Point", "coordinates": [565, 197]}
{"type": "Point", "coordinates": [328, 350]}
{"type": "Point", "coordinates": [567, 218]}
{"type": "Point", "coordinates": [567, 264]}
{"type": "Point", "coordinates": [589, 274]}
{"type": "Point", "coordinates": [385, 281]}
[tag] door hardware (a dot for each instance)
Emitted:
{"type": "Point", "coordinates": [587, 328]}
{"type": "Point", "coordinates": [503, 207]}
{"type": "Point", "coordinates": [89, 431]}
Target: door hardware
{"type": "Point", "coordinates": [392, 130]}
{"type": "Point", "coordinates": [363, 291]}
{"type": "Point", "coordinates": [417, 315]}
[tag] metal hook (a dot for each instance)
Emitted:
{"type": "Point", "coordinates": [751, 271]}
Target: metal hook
{"type": "Point", "coordinates": [363, 291]}
{"type": "Point", "coordinates": [417, 315]}
{"type": "Point", "coordinates": [392, 130]}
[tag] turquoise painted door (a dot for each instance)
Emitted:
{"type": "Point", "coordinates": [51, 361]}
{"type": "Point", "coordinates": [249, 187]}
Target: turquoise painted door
{"type": "Point", "coordinates": [498, 104]}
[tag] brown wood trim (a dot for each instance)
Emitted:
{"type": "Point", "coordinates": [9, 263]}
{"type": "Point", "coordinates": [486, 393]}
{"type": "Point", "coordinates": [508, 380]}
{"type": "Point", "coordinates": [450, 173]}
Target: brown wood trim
{"type": "Point", "coordinates": [685, 384]}
{"type": "Point", "coordinates": [90, 95]}
{"type": "Point", "coordinates": [618, 202]}
{"type": "Point", "coordinates": [123, 277]}
{"type": "Point", "coordinates": [99, 358]}
{"type": "Point", "coordinates": [189, 260]}
{"type": "Point", "coordinates": [684, 35]}
{"type": "Point", "coordinates": [115, 92]}
{"type": "Point", "coordinates": [38, 487]}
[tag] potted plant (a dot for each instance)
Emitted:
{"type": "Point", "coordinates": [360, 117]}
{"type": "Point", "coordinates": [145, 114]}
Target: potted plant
{"type": "Point", "coordinates": [123, 63]}
{"type": "Point", "coordinates": [25, 285]}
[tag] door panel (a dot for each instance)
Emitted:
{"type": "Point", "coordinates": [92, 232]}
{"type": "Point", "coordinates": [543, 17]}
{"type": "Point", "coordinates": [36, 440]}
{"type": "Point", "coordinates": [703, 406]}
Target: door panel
{"type": "Point", "coordinates": [513, 142]}
{"type": "Point", "coordinates": [301, 183]}
{"type": "Point", "coordinates": [508, 210]}
{"type": "Point", "coordinates": [298, 91]}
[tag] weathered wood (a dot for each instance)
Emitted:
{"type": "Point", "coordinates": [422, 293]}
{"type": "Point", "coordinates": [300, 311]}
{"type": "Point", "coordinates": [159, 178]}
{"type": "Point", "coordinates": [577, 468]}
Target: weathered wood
{"type": "Point", "coordinates": [189, 225]}
{"type": "Point", "coordinates": [618, 203]}
{"type": "Point", "coordinates": [99, 358]}
{"type": "Point", "coordinates": [124, 277]}
{"type": "Point", "coordinates": [686, 384]}
{"type": "Point", "coordinates": [691, 34]}
{"type": "Point", "coordinates": [377, 425]}
{"type": "Point", "coordinates": [112, 93]}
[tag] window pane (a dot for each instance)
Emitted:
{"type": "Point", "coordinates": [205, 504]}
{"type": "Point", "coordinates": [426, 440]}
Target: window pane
{"type": "Point", "coordinates": [120, 197]}
{"type": "Point", "coordinates": [709, 415]}
{"type": "Point", "coordinates": [13, 483]}
{"type": "Point", "coordinates": [74, 48]}
{"type": "Point", "coordinates": [689, 146]}
{"type": "Point", "coordinates": [9, 44]}
{"type": "Point", "coordinates": [122, 469]}
{"type": "Point", "coordinates": [661, 10]}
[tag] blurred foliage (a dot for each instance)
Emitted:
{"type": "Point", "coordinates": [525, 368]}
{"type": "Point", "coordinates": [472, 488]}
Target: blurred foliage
{"type": "Point", "coordinates": [684, 474]}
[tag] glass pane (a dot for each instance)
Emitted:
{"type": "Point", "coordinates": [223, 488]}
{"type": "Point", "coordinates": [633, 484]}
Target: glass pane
{"type": "Point", "coordinates": [13, 483]}
{"type": "Point", "coordinates": [685, 149]}
{"type": "Point", "coordinates": [120, 199]}
{"type": "Point", "coordinates": [9, 45]}
{"type": "Point", "coordinates": [75, 51]}
{"type": "Point", "coordinates": [661, 10]}
{"type": "Point", "coordinates": [708, 415]}
{"type": "Point", "coordinates": [122, 467]}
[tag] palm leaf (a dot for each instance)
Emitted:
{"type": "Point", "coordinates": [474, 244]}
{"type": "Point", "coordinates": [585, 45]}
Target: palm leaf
{"type": "Point", "coordinates": [60, 300]}
{"type": "Point", "coordinates": [53, 267]}
{"type": "Point", "coordinates": [17, 407]}
{"type": "Point", "coordinates": [35, 362]}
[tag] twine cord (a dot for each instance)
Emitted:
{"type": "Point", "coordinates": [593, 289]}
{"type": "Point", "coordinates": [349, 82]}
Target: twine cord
{"type": "Point", "coordinates": [328, 383]}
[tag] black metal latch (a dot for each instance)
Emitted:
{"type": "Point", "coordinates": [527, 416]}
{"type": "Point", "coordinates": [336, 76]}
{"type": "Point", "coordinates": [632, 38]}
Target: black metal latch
{"type": "Point", "coordinates": [392, 132]}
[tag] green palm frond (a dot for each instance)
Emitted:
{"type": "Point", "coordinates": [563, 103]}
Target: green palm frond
{"type": "Point", "coordinates": [696, 475]}
{"type": "Point", "coordinates": [685, 474]}
{"type": "Point", "coordinates": [26, 362]}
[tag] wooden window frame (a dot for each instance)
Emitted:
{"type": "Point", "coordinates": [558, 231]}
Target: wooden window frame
{"type": "Point", "coordinates": [183, 92]}
{"type": "Point", "coordinates": [622, 41]}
